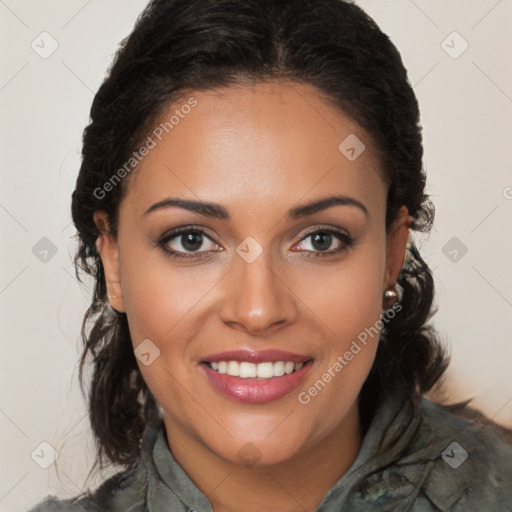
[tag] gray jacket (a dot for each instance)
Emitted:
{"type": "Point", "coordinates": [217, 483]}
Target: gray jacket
{"type": "Point", "coordinates": [415, 457]}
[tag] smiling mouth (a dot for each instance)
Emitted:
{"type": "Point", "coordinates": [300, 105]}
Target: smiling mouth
{"type": "Point", "coordinates": [256, 377]}
{"type": "Point", "coordinates": [260, 371]}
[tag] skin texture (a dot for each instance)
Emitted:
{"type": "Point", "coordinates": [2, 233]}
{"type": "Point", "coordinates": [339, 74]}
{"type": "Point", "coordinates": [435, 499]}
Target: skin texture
{"type": "Point", "coordinates": [258, 150]}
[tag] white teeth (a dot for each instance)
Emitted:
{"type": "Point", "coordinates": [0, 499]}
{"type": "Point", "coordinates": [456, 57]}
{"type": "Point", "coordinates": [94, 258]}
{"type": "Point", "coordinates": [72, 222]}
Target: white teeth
{"type": "Point", "coordinates": [265, 370]}
{"type": "Point", "coordinates": [246, 370]}
{"type": "Point", "coordinates": [233, 368]}
{"type": "Point", "coordinates": [279, 369]}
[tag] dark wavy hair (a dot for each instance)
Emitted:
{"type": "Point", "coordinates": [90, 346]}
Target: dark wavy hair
{"type": "Point", "coordinates": [178, 46]}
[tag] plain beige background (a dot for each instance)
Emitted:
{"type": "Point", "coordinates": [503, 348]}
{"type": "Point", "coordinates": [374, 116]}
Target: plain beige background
{"type": "Point", "coordinates": [465, 96]}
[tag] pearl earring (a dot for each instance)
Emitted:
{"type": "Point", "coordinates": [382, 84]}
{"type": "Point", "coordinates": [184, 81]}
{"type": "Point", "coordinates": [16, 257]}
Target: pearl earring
{"type": "Point", "coordinates": [392, 295]}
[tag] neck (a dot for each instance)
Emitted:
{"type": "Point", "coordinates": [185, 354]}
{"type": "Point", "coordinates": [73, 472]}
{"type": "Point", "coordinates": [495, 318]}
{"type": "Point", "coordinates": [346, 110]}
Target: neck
{"type": "Point", "coordinates": [296, 484]}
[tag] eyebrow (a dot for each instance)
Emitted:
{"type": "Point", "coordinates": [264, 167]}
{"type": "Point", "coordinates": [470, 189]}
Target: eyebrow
{"type": "Point", "coordinates": [217, 211]}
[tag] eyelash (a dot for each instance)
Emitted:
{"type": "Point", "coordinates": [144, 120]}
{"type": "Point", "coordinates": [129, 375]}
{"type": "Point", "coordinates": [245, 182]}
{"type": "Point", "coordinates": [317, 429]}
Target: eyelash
{"type": "Point", "coordinates": [347, 240]}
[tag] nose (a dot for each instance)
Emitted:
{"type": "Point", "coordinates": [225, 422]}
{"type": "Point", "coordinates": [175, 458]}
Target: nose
{"type": "Point", "coordinates": [256, 298]}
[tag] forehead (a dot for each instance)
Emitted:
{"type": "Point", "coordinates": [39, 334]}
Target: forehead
{"type": "Point", "coordinates": [251, 145]}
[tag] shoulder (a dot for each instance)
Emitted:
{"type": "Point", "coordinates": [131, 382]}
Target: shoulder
{"type": "Point", "coordinates": [125, 491]}
{"type": "Point", "coordinates": [52, 504]}
{"type": "Point", "coordinates": [470, 462]}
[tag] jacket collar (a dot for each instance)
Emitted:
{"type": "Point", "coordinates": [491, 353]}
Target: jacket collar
{"type": "Point", "coordinates": [393, 464]}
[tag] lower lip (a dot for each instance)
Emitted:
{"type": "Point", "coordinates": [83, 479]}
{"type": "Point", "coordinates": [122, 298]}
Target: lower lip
{"type": "Point", "coordinates": [256, 391]}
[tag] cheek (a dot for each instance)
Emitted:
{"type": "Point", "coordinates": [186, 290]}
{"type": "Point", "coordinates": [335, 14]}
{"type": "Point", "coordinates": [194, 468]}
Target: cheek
{"type": "Point", "coordinates": [159, 296]}
{"type": "Point", "coordinates": [167, 305]}
{"type": "Point", "coordinates": [160, 302]}
{"type": "Point", "coordinates": [349, 303]}
{"type": "Point", "coordinates": [349, 299]}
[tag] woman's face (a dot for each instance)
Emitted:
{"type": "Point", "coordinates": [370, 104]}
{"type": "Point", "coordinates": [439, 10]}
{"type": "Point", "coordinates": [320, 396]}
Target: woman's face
{"type": "Point", "coordinates": [281, 257]}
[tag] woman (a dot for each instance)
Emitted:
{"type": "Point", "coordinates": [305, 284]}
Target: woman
{"type": "Point", "coordinates": [259, 329]}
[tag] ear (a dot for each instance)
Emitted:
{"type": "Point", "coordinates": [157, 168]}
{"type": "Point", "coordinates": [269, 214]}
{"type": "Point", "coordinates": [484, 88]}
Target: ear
{"type": "Point", "coordinates": [396, 245]}
{"type": "Point", "coordinates": [108, 250]}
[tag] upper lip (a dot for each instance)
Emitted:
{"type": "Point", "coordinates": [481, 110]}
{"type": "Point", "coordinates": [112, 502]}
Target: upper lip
{"type": "Point", "coordinates": [253, 356]}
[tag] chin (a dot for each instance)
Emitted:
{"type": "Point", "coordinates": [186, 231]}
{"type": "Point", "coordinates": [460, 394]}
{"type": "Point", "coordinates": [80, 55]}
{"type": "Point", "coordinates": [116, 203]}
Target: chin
{"type": "Point", "coordinates": [258, 453]}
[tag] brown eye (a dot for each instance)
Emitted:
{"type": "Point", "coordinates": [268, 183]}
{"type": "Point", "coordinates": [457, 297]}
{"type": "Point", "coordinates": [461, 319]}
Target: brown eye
{"type": "Point", "coordinates": [324, 242]}
{"type": "Point", "coordinates": [191, 241]}
{"type": "Point", "coordinates": [187, 242]}
{"type": "Point", "coordinates": [321, 241]}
